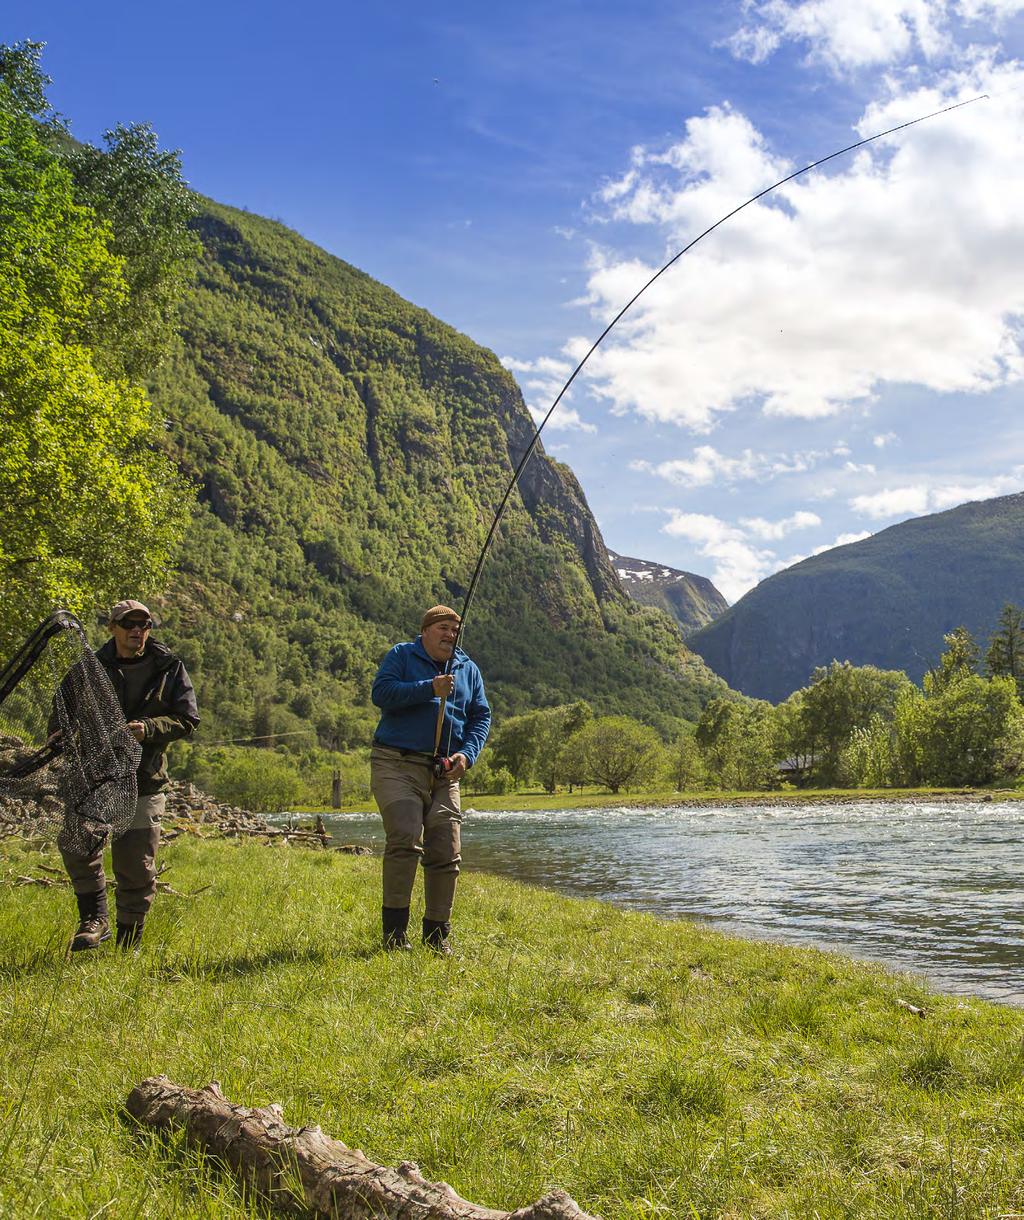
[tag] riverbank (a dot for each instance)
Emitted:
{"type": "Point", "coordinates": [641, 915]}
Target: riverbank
{"type": "Point", "coordinates": [701, 800]}
{"type": "Point", "coordinates": [518, 802]}
{"type": "Point", "coordinates": [652, 1069]}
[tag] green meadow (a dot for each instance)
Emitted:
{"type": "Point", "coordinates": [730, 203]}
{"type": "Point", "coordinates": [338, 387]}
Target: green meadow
{"type": "Point", "coordinates": [652, 1069]}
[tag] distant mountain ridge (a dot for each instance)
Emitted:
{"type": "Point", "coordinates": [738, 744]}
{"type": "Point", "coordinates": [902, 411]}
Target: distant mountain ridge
{"type": "Point", "coordinates": [693, 601]}
{"type": "Point", "coordinates": [886, 600]}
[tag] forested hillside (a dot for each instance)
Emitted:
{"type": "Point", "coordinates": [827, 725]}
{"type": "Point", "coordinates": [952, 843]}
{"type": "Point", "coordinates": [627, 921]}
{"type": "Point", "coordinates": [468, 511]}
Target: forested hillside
{"type": "Point", "coordinates": [886, 601]}
{"type": "Point", "coordinates": [349, 450]}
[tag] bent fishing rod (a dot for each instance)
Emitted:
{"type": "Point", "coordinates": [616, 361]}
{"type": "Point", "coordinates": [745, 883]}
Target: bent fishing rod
{"type": "Point", "coordinates": [531, 448]}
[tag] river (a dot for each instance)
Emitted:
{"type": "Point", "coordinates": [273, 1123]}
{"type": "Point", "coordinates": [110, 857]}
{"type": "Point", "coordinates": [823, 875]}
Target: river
{"type": "Point", "coordinates": [937, 889]}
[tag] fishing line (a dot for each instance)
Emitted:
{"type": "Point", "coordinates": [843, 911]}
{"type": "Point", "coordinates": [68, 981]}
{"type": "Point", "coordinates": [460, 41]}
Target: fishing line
{"type": "Point", "coordinates": [521, 466]}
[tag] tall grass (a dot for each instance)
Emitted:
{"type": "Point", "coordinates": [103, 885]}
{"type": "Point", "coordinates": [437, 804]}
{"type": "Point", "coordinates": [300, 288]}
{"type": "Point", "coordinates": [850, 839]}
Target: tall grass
{"type": "Point", "coordinates": [653, 1069]}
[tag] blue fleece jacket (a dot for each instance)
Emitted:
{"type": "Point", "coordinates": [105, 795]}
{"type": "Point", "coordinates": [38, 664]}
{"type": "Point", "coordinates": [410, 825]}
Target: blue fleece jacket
{"type": "Point", "coordinates": [403, 690]}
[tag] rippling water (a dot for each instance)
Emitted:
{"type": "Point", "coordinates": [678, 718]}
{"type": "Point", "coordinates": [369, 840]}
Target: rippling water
{"type": "Point", "coordinates": [938, 889]}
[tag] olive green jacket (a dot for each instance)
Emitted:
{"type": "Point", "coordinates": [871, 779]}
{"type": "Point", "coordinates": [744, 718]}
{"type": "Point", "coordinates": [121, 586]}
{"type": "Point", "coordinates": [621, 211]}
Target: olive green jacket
{"type": "Point", "coordinates": [167, 709]}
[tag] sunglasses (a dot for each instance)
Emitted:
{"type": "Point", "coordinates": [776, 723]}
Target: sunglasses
{"type": "Point", "coordinates": [129, 624]}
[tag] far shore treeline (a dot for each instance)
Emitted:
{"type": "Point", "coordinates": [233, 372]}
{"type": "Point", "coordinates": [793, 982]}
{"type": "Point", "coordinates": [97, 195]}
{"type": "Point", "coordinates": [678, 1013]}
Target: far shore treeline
{"type": "Point", "coordinates": [851, 726]}
{"type": "Point", "coordinates": [288, 462]}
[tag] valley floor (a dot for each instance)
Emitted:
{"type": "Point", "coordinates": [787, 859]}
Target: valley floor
{"type": "Point", "coordinates": [653, 1069]}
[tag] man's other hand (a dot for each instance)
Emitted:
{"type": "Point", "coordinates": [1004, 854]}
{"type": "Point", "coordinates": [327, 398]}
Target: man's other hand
{"type": "Point", "coordinates": [444, 684]}
{"type": "Point", "coordinates": [137, 729]}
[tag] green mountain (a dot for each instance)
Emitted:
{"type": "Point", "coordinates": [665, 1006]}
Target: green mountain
{"type": "Point", "coordinates": [886, 601]}
{"type": "Point", "coordinates": [349, 450]}
{"type": "Point", "coordinates": [693, 601]}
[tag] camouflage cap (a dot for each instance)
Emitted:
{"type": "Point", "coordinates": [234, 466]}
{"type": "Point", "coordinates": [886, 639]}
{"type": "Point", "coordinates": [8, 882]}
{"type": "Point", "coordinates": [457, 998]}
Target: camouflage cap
{"type": "Point", "coordinates": [118, 611]}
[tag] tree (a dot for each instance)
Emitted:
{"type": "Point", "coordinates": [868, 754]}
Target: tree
{"type": "Point", "coordinates": [572, 765]}
{"type": "Point", "coordinates": [1005, 656]}
{"type": "Point", "coordinates": [88, 508]}
{"type": "Point", "coordinates": [969, 729]}
{"type": "Point", "coordinates": [616, 751]}
{"type": "Point", "coordinates": [553, 726]}
{"type": "Point", "coordinates": [481, 777]}
{"type": "Point", "coordinates": [958, 661]}
{"type": "Point", "coordinates": [137, 188]}
{"type": "Point", "coordinates": [686, 768]}
{"type": "Point", "coordinates": [514, 747]}
{"type": "Point", "coordinates": [737, 742]}
{"type": "Point", "coordinates": [841, 698]}
{"type": "Point", "coordinates": [24, 84]}
{"type": "Point", "coordinates": [258, 780]}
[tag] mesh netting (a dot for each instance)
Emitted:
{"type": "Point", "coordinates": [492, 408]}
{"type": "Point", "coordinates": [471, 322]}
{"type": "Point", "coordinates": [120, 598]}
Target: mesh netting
{"type": "Point", "coordinates": [67, 761]}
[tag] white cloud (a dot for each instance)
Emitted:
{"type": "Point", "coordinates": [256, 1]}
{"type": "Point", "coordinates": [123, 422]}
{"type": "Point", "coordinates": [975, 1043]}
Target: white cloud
{"type": "Point", "coordinates": [859, 468]}
{"type": "Point", "coordinates": [842, 540]}
{"type": "Point", "coordinates": [960, 493]}
{"type": "Point", "coordinates": [893, 502]}
{"type": "Point", "coordinates": [772, 530]}
{"type": "Point", "coordinates": [899, 268]}
{"type": "Point", "coordinates": [842, 34]}
{"type": "Point", "coordinates": [738, 564]}
{"type": "Point", "coordinates": [883, 439]}
{"type": "Point", "coordinates": [870, 33]}
{"type": "Point", "coordinates": [739, 559]}
{"type": "Point", "coordinates": [990, 10]}
{"type": "Point", "coordinates": [707, 466]}
{"type": "Point", "coordinates": [541, 381]}
{"type": "Point", "coordinates": [916, 499]}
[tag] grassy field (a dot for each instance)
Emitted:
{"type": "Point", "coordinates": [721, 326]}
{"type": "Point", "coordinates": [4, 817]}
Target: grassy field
{"type": "Point", "coordinates": [653, 1069]}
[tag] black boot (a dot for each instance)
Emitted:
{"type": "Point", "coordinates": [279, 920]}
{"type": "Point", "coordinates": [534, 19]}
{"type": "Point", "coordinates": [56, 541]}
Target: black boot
{"type": "Point", "coordinates": [396, 922]}
{"type": "Point", "coordinates": [93, 922]}
{"type": "Point", "coordinates": [437, 936]}
{"type": "Point", "coordinates": [129, 936]}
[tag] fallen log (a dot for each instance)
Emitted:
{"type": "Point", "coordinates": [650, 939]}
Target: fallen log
{"type": "Point", "coordinates": [304, 1170]}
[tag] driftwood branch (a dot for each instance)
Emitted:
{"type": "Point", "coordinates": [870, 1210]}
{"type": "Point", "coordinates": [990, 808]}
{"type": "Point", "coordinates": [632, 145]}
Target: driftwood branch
{"type": "Point", "coordinates": [59, 877]}
{"type": "Point", "coordinates": [306, 1171]}
{"type": "Point", "coordinates": [164, 888]}
{"type": "Point", "coordinates": [912, 1008]}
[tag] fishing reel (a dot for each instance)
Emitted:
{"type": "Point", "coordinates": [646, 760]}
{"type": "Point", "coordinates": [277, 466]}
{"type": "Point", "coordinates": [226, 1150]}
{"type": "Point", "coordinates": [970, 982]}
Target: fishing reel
{"type": "Point", "coordinates": [440, 765]}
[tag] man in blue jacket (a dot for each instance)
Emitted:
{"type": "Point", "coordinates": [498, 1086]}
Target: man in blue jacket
{"type": "Point", "coordinates": [418, 802]}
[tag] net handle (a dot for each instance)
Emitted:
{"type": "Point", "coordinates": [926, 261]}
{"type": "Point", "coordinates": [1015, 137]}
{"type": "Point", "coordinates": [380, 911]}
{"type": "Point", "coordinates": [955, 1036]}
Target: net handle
{"type": "Point", "coordinates": [23, 659]}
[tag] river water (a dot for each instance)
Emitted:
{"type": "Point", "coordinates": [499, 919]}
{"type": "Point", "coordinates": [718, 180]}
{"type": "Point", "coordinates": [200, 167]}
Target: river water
{"type": "Point", "coordinates": [933, 888]}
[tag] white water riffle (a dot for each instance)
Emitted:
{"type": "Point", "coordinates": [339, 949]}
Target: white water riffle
{"type": "Point", "coordinates": [933, 888]}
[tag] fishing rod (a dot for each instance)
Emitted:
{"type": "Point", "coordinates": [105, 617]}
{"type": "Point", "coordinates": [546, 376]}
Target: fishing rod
{"type": "Point", "coordinates": [513, 482]}
{"type": "Point", "coordinates": [531, 448]}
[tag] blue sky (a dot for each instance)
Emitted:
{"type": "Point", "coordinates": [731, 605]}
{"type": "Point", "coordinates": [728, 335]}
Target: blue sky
{"type": "Point", "coordinates": [842, 356]}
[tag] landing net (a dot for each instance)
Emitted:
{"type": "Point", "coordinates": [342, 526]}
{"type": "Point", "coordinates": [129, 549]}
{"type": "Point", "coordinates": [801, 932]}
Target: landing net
{"type": "Point", "coordinates": [67, 761]}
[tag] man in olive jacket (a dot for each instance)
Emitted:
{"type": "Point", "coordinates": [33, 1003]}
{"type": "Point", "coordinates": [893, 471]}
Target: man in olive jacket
{"type": "Point", "coordinates": [156, 696]}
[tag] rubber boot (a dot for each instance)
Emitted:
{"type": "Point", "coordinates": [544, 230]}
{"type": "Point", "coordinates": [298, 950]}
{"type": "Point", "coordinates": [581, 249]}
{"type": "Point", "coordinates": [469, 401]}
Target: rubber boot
{"type": "Point", "coordinates": [129, 936]}
{"type": "Point", "coordinates": [396, 923]}
{"type": "Point", "coordinates": [93, 922]}
{"type": "Point", "coordinates": [437, 936]}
